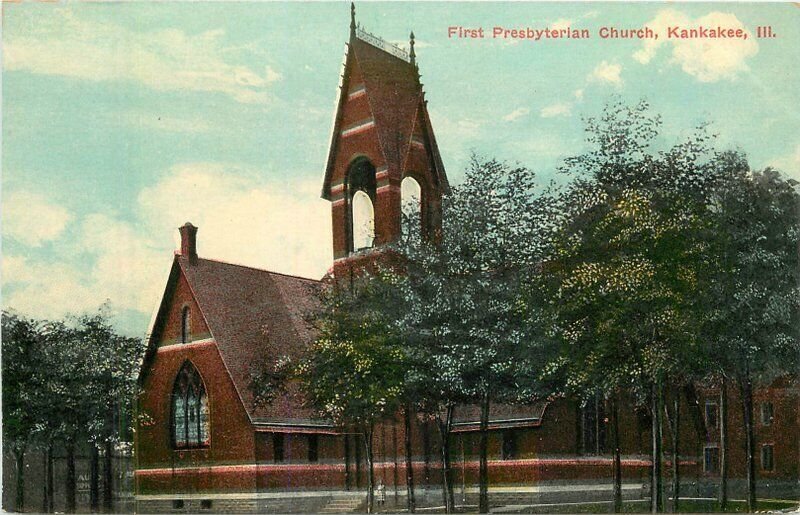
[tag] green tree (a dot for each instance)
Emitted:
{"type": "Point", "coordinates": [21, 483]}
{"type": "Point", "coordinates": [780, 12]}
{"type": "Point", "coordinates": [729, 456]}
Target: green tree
{"type": "Point", "coordinates": [72, 362]}
{"type": "Point", "coordinates": [21, 369]}
{"type": "Point", "coordinates": [353, 373]}
{"type": "Point", "coordinates": [111, 384]}
{"type": "Point", "coordinates": [624, 275]}
{"type": "Point", "coordinates": [754, 330]}
{"type": "Point", "coordinates": [463, 320]}
{"type": "Point", "coordinates": [87, 395]}
{"type": "Point", "coordinates": [70, 381]}
{"type": "Point", "coordinates": [51, 427]}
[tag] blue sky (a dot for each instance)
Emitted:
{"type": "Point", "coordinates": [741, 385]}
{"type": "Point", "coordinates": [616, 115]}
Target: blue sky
{"type": "Point", "coordinates": [121, 121]}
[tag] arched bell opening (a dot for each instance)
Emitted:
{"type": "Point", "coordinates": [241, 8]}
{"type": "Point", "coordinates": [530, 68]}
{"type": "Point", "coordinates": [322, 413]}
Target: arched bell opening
{"type": "Point", "coordinates": [411, 207]}
{"type": "Point", "coordinates": [361, 192]}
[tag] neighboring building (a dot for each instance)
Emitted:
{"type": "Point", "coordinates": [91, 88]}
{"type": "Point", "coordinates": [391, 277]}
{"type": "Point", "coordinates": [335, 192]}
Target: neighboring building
{"type": "Point", "coordinates": [201, 443]}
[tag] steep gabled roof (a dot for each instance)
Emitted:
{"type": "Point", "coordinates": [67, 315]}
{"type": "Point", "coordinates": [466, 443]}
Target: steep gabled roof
{"type": "Point", "coordinates": [395, 98]}
{"type": "Point", "coordinates": [254, 316]}
{"type": "Point", "coordinates": [393, 94]}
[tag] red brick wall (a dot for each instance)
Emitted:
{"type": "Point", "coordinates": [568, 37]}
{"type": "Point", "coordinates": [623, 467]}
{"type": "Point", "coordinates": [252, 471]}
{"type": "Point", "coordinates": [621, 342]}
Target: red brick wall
{"type": "Point", "coordinates": [232, 439]}
{"type": "Point", "coordinates": [362, 144]}
{"type": "Point", "coordinates": [545, 453]}
{"type": "Point", "coordinates": [182, 297]}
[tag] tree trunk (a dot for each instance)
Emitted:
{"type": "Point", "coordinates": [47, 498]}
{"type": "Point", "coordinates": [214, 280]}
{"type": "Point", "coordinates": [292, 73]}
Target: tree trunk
{"type": "Point", "coordinates": [50, 480]}
{"type": "Point", "coordinates": [410, 500]}
{"type": "Point", "coordinates": [358, 462]}
{"type": "Point", "coordinates": [451, 483]}
{"type": "Point", "coordinates": [426, 449]}
{"type": "Point", "coordinates": [94, 479]}
{"type": "Point", "coordinates": [19, 466]}
{"type": "Point", "coordinates": [723, 443]}
{"type": "Point", "coordinates": [394, 459]}
{"type": "Point", "coordinates": [445, 450]}
{"type": "Point", "coordinates": [71, 480]}
{"type": "Point", "coordinates": [676, 469]}
{"type": "Point", "coordinates": [656, 488]}
{"type": "Point", "coordinates": [108, 477]}
{"type": "Point", "coordinates": [384, 482]}
{"type": "Point", "coordinates": [750, 439]}
{"type": "Point", "coordinates": [483, 479]}
{"type": "Point", "coordinates": [447, 487]}
{"type": "Point", "coordinates": [695, 414]}
{"type": "Point", "coordinates": [617, 461]}
{"type": "Point", "coordinates": [370, 469]}
{"type": "Point", "coordinates": [347, 462]}
{"type": "Point", "coordinates": [44, 483]}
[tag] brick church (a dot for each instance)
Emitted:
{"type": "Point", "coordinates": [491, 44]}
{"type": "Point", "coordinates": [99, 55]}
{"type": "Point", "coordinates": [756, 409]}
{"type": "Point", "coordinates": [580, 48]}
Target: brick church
{"type": "Point", "coordinates": [202, 444]}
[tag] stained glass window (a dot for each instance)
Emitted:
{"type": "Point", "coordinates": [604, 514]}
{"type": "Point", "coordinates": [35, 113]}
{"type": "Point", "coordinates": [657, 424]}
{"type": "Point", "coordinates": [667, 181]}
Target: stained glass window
{"type": "Point", "coordinates": [190, 413]}
{"type": "Point", "coordinates": [178, 422]}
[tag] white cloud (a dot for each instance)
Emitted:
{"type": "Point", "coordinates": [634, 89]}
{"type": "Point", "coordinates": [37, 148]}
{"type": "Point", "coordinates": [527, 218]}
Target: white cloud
{"type": "Point", "coordinates": [664, 19]}
{"type": "Point", "coordinates": [516, 113]}
{"type": "Point", "coordinates": [459, 129]}
{"type": "Point", "coordinates": [606, 72]}
{"type": "Point", "coordinates": [789, 164]}
{"type": "Point", "coordinates": [17, 269]}
{"type": "Point", "coordinates": [45, 289]}
{"type": "Point", "coordinates": [33, 219]}
{"type": "Point", "coordinates": [560, 109]}
{"type": "Point", "coordinates": [127, 263]}
{"type": "Point", "coordinates": [115, 262]}
{"type": "Point", "coordinates": [561, 23]}
{"type": "Point", "coordinates": [707, 59]}
{"type": "Point", "coordinates": [281, 226]}
{"type": "Point", "coordinates": [166, 60]}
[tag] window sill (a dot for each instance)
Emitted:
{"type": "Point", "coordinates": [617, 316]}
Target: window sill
{"type": "Point", "coordinates": [191, 449]}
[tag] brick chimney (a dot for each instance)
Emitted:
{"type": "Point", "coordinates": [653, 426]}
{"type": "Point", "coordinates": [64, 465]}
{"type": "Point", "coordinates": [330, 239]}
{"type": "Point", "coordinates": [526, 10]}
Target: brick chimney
{"type": "Point", "coordinates": [189, 241]}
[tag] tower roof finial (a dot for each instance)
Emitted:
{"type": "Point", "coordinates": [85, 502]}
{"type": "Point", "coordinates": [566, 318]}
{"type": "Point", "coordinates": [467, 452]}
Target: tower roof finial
{"type": "Point", "coordinates": [412, 54]}
{"type": "Point", "coordinates": [352, 18]}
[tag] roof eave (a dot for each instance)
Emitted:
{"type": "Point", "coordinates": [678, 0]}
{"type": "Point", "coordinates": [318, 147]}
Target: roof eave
{"type": "Point", "coordinates": [337, 120]}
{"type": "Point", "coordinates": [154, 328]}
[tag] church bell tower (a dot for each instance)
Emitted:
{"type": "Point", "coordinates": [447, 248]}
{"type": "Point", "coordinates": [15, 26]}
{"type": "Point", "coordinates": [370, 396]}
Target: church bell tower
{"type": "Point", "coordinates": [383, 158]}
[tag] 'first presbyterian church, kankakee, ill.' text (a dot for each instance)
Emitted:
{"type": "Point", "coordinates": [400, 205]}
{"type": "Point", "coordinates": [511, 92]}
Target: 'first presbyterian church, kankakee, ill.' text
{"type": "Point", "coordinates": [606, 32]}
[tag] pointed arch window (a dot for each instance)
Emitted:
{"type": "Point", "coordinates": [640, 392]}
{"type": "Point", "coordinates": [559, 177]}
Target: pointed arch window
{"type": "Point", "coordinates": [190, 414]}
{"type": "Point", "coordinates": [411, 206]}
{"type": "Point", "coordinates": [186, 317]}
